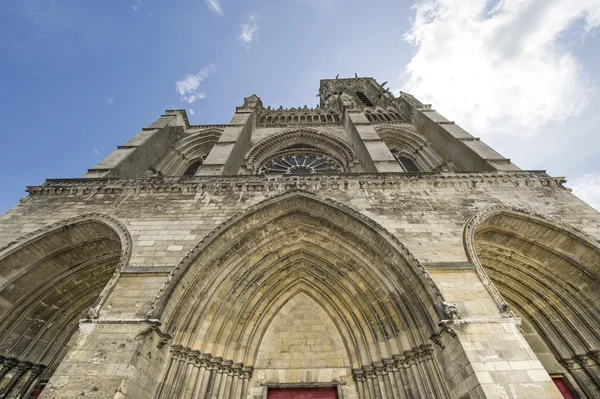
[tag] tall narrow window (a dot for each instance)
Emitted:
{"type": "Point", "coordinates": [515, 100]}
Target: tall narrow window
{"type": "Point", "coordinates": [192, 169]}
{"type": "Point", "coordinates": [407, 164]}
{"type": "Point", "coordinates": [364, 99]}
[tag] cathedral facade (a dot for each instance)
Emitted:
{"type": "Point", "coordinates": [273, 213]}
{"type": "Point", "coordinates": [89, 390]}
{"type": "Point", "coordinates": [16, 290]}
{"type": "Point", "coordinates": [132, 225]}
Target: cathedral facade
{"type": "Point", "coordinates": [366, 248]}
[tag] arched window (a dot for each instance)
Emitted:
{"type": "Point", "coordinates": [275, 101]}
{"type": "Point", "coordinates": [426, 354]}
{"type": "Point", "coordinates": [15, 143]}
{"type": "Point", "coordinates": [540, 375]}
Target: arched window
{"type": "Point", "coordinates": [364, 99]}
{"type": "Point", "coordinates": [407, 164]}
{"type": "Point", "coordinates": [193, 168]}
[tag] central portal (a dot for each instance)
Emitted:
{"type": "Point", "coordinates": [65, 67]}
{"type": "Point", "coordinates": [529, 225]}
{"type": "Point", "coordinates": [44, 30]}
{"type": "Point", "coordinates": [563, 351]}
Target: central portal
{"type": "Point", "coordinates": [316, 393]}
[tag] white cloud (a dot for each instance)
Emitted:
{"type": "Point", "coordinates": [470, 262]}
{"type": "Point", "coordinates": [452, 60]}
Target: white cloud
{"type": "Point", "coordinates": [95, 152]}
{"type": "Point", "coordinates": [188, 86]}
{"type": "Point", "coordinates": [587, 187]}
{"type": "Point", "coordinates": [192, 112]}
{"type": "Point", "coordinates": [214, 6]}
{"type": "Point", "coordinates": [500, 66]}
{"type": "Point", "coordinates": [136, 7]}
{"type": "Point", "coordinates": [247, 35]}
{"type": "Point", "coordinates": [109, 100]}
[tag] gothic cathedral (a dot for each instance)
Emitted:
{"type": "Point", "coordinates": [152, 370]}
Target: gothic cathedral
{"type": "Point", "coordinates": [367, 248]}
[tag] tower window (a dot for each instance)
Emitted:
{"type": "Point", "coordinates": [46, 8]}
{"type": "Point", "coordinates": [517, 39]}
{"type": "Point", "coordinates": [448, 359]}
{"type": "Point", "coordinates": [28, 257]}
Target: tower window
{"type": "Point", "coordinates": [364, 99]}
{"type": "Point", "coordinates": [192, 169]}
{"type": "Point", "coordinates": [407, 164]}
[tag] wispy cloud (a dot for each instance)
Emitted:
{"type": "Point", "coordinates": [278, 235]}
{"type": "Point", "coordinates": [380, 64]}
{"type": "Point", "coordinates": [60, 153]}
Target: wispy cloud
{"type": "Point", "coordinates": [188, 86]}
{"type": "Point", "coordinates": [137, 6]}
{"type": "Point", "coordinates": [109, 100]}
{"type": "Point", "coordinates": [587, 187]}
{"type": "Point", "coordinates": [500, 66]}
{"type": "Point", "coordinates": [248, 33]}
{"type": "Point", "coordinates": [95, 152]}
{"type": "Point", "coordinates": [214, 6]}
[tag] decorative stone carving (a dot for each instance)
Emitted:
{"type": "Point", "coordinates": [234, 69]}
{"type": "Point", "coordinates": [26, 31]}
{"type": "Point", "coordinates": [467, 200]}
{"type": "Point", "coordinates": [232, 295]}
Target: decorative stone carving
{"type": "Point", "coordinates": [450, 310]}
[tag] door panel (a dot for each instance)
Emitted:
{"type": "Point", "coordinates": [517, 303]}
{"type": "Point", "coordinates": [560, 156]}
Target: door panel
{"type": "Point", "coordinates": [316, 393]}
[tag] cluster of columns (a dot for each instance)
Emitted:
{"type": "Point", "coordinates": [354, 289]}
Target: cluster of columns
{"type": "Point", "coordinates": [17, 378]}
{"type": "Point", "coordinates": [413, 374]}
{"type": "Point", "coordinates": [585, 369]}
{"type": "Point", "coordinates": [196, 375]}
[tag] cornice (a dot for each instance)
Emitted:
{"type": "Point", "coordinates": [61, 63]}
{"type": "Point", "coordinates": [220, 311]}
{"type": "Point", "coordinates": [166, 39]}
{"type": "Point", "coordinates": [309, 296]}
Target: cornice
{"type": "Point", "coordinates": [240, 183]}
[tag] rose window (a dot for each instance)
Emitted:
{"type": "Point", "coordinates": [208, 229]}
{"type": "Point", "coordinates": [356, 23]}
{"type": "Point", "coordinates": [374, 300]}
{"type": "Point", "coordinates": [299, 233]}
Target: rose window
{"type": "Point", "coordinates": [301, 164]}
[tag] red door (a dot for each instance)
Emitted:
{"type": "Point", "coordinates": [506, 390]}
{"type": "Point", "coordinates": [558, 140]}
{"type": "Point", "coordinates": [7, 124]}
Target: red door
{"type": "Point", "coordinates": [316, 393]}
{"type": "Point", "coordinates": [562, 387]}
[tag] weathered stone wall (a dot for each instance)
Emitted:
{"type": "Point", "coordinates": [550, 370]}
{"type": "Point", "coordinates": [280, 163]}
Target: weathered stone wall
{"type": "Point", "coordinates": [427, 213]}
{"type": "Point", "coordinates": [382, 284]}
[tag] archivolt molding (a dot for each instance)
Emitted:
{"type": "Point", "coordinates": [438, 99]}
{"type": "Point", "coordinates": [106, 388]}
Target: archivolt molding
{"type": "Point", "coordinates": [406, 139]}
{"type": "Point", "coordinates": [269, 146]}
{"type": "Point", "coordinates": [190, 147]}
{"type": "Point", "coordinates": [50, 278]}
{"type": "Point", "coordinates": [222, 298]}
{"type": "Point", "coordinates": [159, 302]}
{"type": "Point", "coordinates": [550, 273]}
{"type": "Point", "coordinates": [114, 224]}
{"type": "Point", "coordinates": [475, 221]}
{"type": "Point", "coordinates": [35, 235]}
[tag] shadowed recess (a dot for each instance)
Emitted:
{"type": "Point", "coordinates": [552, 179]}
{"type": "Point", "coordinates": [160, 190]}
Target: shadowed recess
{"type": "Point", "coordinates": [551, 277]}
{"type": "Point", "coordinates": [47, 284]}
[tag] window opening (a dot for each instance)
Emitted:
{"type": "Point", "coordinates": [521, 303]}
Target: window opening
{"type": "Point", "coordinates": [192, 169]}
{"type": "Point", "coordinates": [364, 99]}
{"type": "Point", "coordinates": [301, 163]}
{"type": "Point", "coordinates": [407, 164]}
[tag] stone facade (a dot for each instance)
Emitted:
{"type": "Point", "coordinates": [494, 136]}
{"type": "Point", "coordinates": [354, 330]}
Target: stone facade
{"type": "Point", "coordinates": [368, 244]}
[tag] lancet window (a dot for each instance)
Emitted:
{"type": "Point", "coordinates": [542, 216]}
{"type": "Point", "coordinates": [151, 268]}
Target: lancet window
{"type": "Point", "coordinates": [407, 164]}
{"type": "Point", "coordinates": [193, 168]}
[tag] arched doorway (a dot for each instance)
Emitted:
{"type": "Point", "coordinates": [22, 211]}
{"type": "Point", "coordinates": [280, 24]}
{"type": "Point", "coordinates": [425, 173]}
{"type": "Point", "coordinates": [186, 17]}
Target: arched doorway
{"type": "Point", "coordinates": [362, 307]}
{"type": "Point", "coordinates": [550, 276]}
{"type": "Point", "coordinates": [49, 281]}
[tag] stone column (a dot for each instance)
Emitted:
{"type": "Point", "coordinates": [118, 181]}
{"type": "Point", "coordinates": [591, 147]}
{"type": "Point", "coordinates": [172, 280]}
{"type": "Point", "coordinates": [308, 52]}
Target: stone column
{"type": "Point", "coordinates": [22, 368]}
{"type": "Point", "coordinates": [7, 365]}
{"type": "Point", "coordinates": [35, 372]}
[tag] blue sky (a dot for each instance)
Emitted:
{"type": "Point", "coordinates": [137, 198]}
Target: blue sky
{"type": "Point", "coordinates": [80, 77]}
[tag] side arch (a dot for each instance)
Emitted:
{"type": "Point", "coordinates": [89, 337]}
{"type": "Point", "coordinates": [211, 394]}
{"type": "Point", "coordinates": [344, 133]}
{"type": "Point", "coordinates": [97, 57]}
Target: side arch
{"type": "Point", "coordinates": [49, 280]}
{"type": "Point", "coordinates": [325, 142]}
{"type": "Point", "coordinates": [406, 140]}
{"type": "Point", "coordinates": [549, 274]}
{"type": "Point", "coordinates": [222, 298]}
{"type": "Point", "coordinates": [189, 149]}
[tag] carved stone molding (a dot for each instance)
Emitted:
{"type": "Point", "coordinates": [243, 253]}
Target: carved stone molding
{"type": "Point", "coordinates": [158, 302]}
{"type": "Point", "coordinates": [382, 181]}
{"type": "Point", "coordinates": [475, 221]}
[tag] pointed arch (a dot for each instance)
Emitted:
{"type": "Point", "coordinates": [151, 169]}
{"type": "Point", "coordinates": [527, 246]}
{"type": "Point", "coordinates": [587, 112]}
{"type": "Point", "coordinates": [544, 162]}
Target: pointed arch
{"type": "Point", "coordinates": [549, 274]}
{"type": "Point", "coordinates": [405, 139]}
{"type": "Point", "coordinates": [49, 280]}
{"type": "Point", "coordinates": [327, 143]}
{"type": "Point", "coordinates": [191, 148]}
{"type": "Point", "coordinates": [226, 292]}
